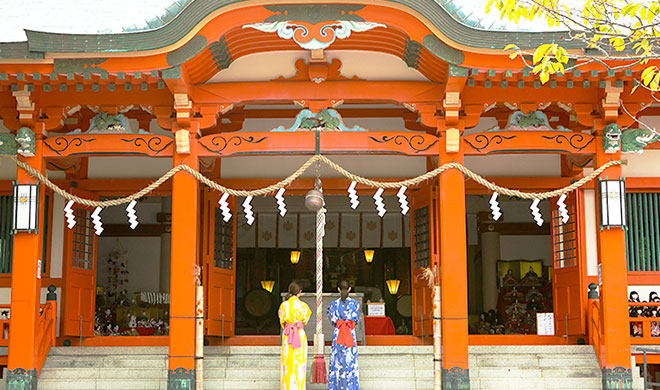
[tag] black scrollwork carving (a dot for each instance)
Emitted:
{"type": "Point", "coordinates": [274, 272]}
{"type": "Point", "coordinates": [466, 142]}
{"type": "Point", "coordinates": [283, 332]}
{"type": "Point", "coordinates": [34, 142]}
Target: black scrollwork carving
{"type": "Point", "coordinates": [574, 140]}
{"type": "Point", "coordinates": [415, 142]}
{"type": "Point", "coordinates": [155, 144]}
{"type": "Point", "coordinates": [60, 144]}
{"type": "Point", "coordinates": [220, 142]}
{"type": "Point", "coordinates": [481, 141]}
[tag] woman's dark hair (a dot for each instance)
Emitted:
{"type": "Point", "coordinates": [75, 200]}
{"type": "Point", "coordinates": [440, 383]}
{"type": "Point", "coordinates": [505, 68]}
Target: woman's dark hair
{"type": "Point", "coordinates": [294, 289]}
{"type": "Point", "coordinates": [343, 289]}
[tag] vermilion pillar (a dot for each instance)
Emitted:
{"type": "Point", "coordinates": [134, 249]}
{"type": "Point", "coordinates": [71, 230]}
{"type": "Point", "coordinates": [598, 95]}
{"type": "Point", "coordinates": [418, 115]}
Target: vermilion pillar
{"type": "Point", "coordinates": [615, 345]}
{"type": "Point", "coordinates": [185, 209]}
{"type": "Point", "coordinates": [453, 272]}
{"type": "Point", "coordinates": [25, 288]}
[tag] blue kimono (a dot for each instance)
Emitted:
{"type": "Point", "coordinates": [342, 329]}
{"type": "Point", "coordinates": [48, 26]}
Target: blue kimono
{"type": "Point", "coordinates": [343, 369]}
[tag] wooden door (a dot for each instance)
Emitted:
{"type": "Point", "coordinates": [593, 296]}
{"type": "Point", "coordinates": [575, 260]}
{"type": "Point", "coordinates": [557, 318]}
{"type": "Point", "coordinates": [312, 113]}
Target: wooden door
{"type": "Point", "coordinates": [219, 268]}
{"type": "Point", "coordinates": [80, 248]}
{"type": "Point", "coordinates": [424, 254]}
{"type": "Point", "coordinates": [569, 296]}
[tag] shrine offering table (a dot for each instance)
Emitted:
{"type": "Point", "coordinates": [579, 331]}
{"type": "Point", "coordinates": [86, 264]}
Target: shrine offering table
{"type": "Point", "coordinates": [376, 325]}
{"type": "Point", "coordinates": [310, 328]}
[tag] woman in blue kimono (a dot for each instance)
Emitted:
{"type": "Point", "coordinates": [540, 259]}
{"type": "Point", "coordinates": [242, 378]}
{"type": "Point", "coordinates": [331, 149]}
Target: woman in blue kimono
{"type": "Point", "coordinates": [343, 315]}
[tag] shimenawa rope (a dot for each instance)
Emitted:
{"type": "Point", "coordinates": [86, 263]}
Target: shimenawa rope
{"type": "Point", "coordinates": [316, 158]}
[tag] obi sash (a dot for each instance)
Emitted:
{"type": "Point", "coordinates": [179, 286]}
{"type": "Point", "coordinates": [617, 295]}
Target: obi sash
{"type": "Point", "coordinates": [291, 331]}
{"type": "Point", "coordinates": [345, 337]}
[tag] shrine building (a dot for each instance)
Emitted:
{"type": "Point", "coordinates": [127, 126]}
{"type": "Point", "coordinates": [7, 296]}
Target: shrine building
{"type": "Point", "coordinates": [516, 221]}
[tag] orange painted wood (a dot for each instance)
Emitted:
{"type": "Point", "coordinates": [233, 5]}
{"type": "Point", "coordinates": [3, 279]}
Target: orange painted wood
{"type": "Point", "coordinates": [528, 142]}
{"type": "Point", "coordinates": [595, 328]}
{"type": "Point", "coordinates": [79, 291]}
{"type": "Point", "coordinates": [453, 262]}
{"type": "Point", "coordinates": [219, 283]}
{"type": "Point", "coordinates": [304, 142]}
{"type": "Point", "coordinates": [385, 142]}
{"type": "Point", "coordinates": [422, 303]}
{"type": "Point", "coordinates": [646, 338]}
{"type": "Point", "coordinates": [519, 339]}
{"type": "Point", "coordinates": [185, 211]}
{"type": "Point", "coordinates": [397, 340]}
{"type": "Point", "coordinates": [246, 340]}
{"type": "Point", "coordinates": [108, 145]}
{"type": "Point", "coordinates": [46, 332]}
{"type": "Point", "coordinates": [569, 298]}
{"type": "Point", "coordinates": [643, 278]}
{"type": "Point", "coordinates": [285, 91]}
{"type": "Point", "coordinates": [615, 340]}
{"type": "Point", "coordinates": [25, 285]}
{"type": "Point", "coordinates": [117, 341]}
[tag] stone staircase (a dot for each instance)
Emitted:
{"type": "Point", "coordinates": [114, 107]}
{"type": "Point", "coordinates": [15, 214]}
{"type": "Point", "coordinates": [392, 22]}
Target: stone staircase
{"type": "Point", "coordinates": [381, 367]}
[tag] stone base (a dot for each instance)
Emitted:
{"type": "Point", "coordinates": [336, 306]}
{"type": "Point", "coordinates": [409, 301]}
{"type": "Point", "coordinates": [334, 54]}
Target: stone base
{"type": "Point", "coordinates": [455, 379]}
{"type": "Point", "coordinates": [22, 379]}
{"type": "Point", "coordinates": [181, 379]}
{"type": "Point", "coordinates": [617, 378]}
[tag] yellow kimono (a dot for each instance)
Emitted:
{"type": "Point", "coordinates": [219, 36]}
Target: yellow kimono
{"type": "Point", "coordinates": [293, 314]}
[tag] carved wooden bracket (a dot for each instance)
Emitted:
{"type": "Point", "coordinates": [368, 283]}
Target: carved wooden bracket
{"type": "Point", "coordinates": [452, 106]}
{"type": "Point", "coordinates": [183, 109]}
{"type": "Point", "coordinates": [25, 107]}
{"type": "Point", "coordinates": [611, 103]}
{"type": "Point", "coordinates": [317, 105]}
{"type": "Point", "coordinates": [427, 113]}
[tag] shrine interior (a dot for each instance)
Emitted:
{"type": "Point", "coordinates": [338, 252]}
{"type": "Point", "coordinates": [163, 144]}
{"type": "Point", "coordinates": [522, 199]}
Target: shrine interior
{"type": "Point", "coordinates": [509, 267]}
{"type": "Point", "coordinates": [268, 249]}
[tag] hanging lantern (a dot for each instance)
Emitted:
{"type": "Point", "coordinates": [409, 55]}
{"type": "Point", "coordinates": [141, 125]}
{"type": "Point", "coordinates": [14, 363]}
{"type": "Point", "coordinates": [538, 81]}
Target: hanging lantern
{"type": "Point", "coordinates": [268, 285]}
{"type": "Point", "coordinates": [295, 257]}
{"type": "Point", "coordinates": [393, 286]}
{"type": "Point", "coordinates": [369, 255]}
{"type": "Point", "coordinates": [612, 203]}
{"type": "Point", "coordinates": [26, 208]}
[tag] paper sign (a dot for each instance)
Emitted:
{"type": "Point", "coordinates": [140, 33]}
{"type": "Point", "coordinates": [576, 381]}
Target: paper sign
{"type": "Point", "coordinates": [376, 309]}
{"type": "Point", "coordinates": [545, 324]}
{"type": "Point", "coordinates": [39, 269]}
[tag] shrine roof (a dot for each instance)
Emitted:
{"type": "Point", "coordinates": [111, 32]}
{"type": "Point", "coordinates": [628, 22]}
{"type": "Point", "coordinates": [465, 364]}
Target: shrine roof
{"type": "Point", "coordinates": [79, 27]}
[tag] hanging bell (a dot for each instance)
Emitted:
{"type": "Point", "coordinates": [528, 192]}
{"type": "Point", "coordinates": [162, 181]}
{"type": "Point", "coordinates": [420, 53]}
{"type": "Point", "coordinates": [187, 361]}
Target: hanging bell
{"type": "Point", "coordinates": [314, 200]}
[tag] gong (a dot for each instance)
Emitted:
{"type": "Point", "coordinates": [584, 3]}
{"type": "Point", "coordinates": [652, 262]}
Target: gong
{"type": "Point", "coordinates": [404, 306]}
{"type": "Point", "coordinates": [258, 303]}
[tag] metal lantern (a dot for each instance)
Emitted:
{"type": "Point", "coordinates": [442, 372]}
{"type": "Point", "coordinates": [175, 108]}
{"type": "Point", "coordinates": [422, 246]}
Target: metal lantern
{"type": "Point", "coordinates": [612, 203]}
{"type": "Point", "coordinates": [26, 208]}
{"type": "Point", "coordinates": [268, 285]}
{"type": "Point", "coordinates": [393, 286]}
{"type": "Point", "coordinates": [369, 255]}
{"type": "Point", "coordinates": [295, 257]}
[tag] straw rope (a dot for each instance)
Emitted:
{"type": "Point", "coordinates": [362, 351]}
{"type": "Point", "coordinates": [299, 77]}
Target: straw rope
{"type": "Point", "coordinates": [316, 158]}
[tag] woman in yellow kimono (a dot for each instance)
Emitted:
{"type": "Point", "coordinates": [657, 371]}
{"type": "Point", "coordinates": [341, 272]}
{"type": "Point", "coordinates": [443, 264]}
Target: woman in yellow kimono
{"type": "Point", "coordinates": [294, 315]}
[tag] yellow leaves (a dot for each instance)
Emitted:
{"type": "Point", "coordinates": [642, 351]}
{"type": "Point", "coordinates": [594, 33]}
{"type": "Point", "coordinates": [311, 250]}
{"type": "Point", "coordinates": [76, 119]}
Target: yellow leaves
{"type": "Point", "coordinates": [542, 51]}
{"type": "Point", "coordinates": [618, 43]}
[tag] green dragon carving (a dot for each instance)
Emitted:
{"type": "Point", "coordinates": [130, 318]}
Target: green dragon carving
{"type": "Point", "coordinates": [611, 138]}
{"type": "Point", "coordinates": [23, 143]}
{"type": "Point", "coordinates": [105, 121]}
{"type": "Point", "coordinates": [530, 120]}
{"type": "Point", "coordinates": [26, 142]}
{"type": "Point", "coordinates": [635, 140]}
{"type": "Point", "coordinates": [8, 145]}
{"type": "Point", "coordinates": [323, 119]}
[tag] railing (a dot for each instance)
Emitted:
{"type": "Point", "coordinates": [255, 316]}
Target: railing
{"type": "Point", "coordinates": [46, 331]}
{"type": "Point", "coordinates": [595, 325]}
{"type": "Point", "coordinates": [644, 330]}
{"type": "Point", "coordinates": [4, 327]}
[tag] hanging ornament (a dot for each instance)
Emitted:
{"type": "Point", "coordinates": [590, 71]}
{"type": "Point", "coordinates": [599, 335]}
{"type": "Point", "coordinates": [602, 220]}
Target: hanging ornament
{"type": "Point", "coordinates": [314, 198]}
{"type": "Point", "coordinates": [224, 207]}
{"type": "Point", "coordinates": [563, 211]}
{"type": "Point", "coordinates": [247, 209]}
{"type": "Point", "coordinates": [130, 212]}
{"type": "Point", "coordinates": [280, 202]}
{"type": "Point", "coordinates": [352, 195]}
{"type": "Point", "coordinates": [96, 220]}
{"type": "Point", "coordinates": [495, 206]}
{"type": "Point", "coordinates": [403, 200]}
{"type": "Point", "coordinates": [536, 212]}
{"type": "Point", "coordinates": [68, 213]}
{"type": "Point", "coordinates": [378, 201]}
